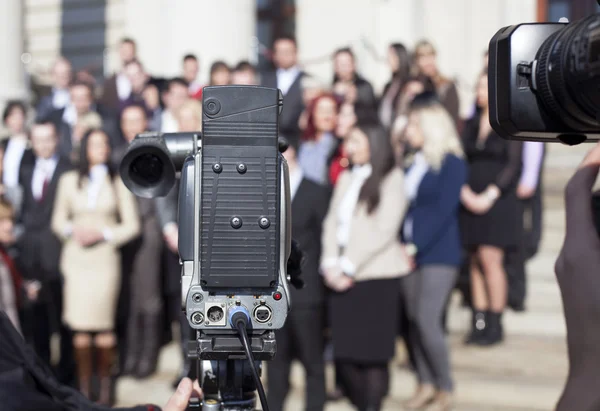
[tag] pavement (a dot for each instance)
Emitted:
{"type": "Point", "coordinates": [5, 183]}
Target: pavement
{"type": "Point", "coordinates": [526, 373]}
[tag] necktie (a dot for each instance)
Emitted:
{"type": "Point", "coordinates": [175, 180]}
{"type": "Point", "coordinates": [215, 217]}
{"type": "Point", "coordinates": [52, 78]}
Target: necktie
{"type": "Point", "coordinates": [46, 182]}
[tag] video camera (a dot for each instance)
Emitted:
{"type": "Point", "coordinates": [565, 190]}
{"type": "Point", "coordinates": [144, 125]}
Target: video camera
{"type": "Point", "coordinates": [544, 81]}
{"type": "Point", "coordinates": [234, 234]}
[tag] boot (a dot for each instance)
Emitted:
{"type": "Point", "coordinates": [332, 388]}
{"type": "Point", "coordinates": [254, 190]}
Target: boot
{"type": "Point", "coordinates": [494, 332]}
{"type": "Point", "coordinates": [105, 363]}
{"type": "Point", "coordinates": [443, 402]}
{"type": "Point", "coordinates": [478, 327]}
{"type": "Point", "coordinates": [423, 396]}
{"type": "Point", "coordinates": [149, 345]}
{"type": "Point", "coordinates": [133, 343]}
{"type": "Point", "coordinates": [83, 357]}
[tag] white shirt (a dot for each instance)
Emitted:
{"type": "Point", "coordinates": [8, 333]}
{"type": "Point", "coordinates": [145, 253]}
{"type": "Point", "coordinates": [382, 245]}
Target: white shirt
{"type": "Point", "coordinates": [43, 171]}
{"type": "Point", "coordinates": [412, 182]}
{"type": "Point", "coordinates": [285, 78]}
{"type": "Point", "coordinates": [97, 177]}
{"type": "Point", "coordinates": [12, 161]}
{"type": "Point", "coordinates": [349, 201]}
{"type": "Point", "coordinates": [168, 123]}
{"type": "Point", "coordinates": [296, 178]}
{"type": "Point", "coordinates": [60, 98]}
{"type": "Point", "coordinates": [123, 86]}
{"type": "Point", "coordinates": [70, 115]}
{"type": "Point", "coordinates": [194, 87]}
{"type": "Point", "coordinates": [533, 152]}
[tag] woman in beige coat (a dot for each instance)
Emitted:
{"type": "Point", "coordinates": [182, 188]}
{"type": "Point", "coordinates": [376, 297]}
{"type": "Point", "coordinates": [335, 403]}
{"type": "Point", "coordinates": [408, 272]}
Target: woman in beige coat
{"type": "Point", "coordinates": [94, 215]}
{"type": "Point", "coordinates": [361, 261]}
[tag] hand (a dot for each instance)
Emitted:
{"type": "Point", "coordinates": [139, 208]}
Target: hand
{"type": "Point", "coordinates": [524, 191]}
{"type": "Point", "coordinates": [481, 204]}
{"type": "Point", "coordinates": [180, 398]}
{"type": "Point", "coordinates": [340, 88]}
{"type": "Point", "coordinates": [337, 280]}
{"type": "Point", "coordinates": [351, 94]}
{"type": "Point", "coordinates": [410, 259]}
{"type": "Point", "coordinates": [32, 290]}
{"type": "Point", "coordinates": [87, 236]}
{"type": "Point", "coordinates": [172, 240]}
{"type": "Point", "coordinates": [577, 274]}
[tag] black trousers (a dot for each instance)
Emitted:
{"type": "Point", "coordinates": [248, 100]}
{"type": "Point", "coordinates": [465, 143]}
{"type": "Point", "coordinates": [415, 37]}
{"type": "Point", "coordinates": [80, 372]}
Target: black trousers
{"type": "Point", "coordinates": [43, 318]}
{"type": "Point", "coordinates": [515, 259]}
{"type": "Point", "coordinates": [301, 338]}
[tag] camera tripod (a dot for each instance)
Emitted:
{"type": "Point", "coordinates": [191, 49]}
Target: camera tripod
{"type": "Point", "coordinates": [224, 372]}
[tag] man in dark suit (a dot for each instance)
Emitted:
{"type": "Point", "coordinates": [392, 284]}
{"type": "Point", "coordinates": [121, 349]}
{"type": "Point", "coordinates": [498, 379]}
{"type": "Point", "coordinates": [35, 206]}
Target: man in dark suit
{"type": "Point", "coordinates": [59, 95]}
{"type": "Point", "coordinates": [530, 193]}
{"type": "Point", "coordinates": [117, 87]}
{"type": "Point", "coordinates": [39, 249]}
{"type": "Point", "coordinates": [302, 336]}
{"type": "Point", "coordinates": [141, 300]}
{"type": "Point", "coordinates": [287, 78]}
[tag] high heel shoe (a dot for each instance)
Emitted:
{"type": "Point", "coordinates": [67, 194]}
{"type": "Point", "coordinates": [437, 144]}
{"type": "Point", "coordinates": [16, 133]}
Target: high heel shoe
{"type": "Point", "coordinates": [443, 402]}
{"type": "Point", "coordinates": [424, 395]}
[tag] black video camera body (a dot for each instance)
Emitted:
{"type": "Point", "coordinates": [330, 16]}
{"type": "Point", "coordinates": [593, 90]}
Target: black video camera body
{"type": "Point", "coordinates": [234, 216]}
{"type": "Point", "coordinates": [544, 81]}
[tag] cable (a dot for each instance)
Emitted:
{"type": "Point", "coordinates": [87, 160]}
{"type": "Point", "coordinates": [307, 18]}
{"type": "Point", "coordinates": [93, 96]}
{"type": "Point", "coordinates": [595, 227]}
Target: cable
{"type": "Point", "coordinates": [241, 327]}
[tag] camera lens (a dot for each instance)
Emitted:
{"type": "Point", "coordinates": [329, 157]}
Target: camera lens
{"type": "Point", "coordinates": [146, 170]}
{"type": "Point", "coordinates": [568, 74]}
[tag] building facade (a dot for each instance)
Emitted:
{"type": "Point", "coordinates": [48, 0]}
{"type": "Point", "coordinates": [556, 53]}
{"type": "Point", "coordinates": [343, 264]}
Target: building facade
{"type": "Point", "coordinates": [88, 31]}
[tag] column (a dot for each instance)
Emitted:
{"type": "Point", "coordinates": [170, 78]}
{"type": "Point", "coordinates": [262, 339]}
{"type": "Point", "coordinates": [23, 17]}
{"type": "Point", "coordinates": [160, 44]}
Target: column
{"type": "Point", "coordinates": [213, 30]}
{"type": "Point", "coordinates": [12, 72]}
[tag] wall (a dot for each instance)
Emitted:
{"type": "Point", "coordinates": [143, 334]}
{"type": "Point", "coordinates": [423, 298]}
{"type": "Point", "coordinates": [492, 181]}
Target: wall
{"type": "Point", "coordinates": [166, 30]}
{"type": "Point", "coordinates": [460, 29]}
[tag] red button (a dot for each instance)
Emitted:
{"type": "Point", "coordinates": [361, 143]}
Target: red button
{"type": "Point", "coordinates": [277, 296]}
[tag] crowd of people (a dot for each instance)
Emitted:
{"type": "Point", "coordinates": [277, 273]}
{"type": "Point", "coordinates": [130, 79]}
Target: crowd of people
{"type": "Point", "coordinates": [396, 201]}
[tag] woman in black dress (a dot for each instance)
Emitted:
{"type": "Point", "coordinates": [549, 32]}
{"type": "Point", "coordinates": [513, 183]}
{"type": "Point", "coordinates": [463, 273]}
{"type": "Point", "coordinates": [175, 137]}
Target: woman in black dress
{"type": "Point", "coordinates": [491, 221]}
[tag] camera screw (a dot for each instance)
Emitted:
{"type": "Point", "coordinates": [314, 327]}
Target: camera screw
{"type": "Point", "coordinates": [241, 168]}
{"type": "Point", "coordinates": [270, 324]}
{"type": "Point", "coordinates": [222, 305]}
{"type": "Point", "coordinates": [197, 318]}
{"type": "Point", "coordinates": [264, 222]}
{"type": "Point", "coordinates": [197, 298]}
{"type": "Point", "coordinates": [236, 222]}
{"type": "Point", "coordinates": [217, 168]}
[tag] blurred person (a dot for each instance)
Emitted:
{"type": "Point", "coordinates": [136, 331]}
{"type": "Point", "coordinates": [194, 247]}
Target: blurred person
{"type": "Point", "coordinates": [94, 215]}
{"type": "Point", "coordinates": [425, 59]}
{"type": "Point", "coordinates": [191, 69]}
{"type": "Point", "coordinates": [362, 260]}
{"type": "Point", "coordinates": [189, 116]}
{"type": "Point", "coordinates": [491, 219]}
{"type": "Point", "coordinates": [287, 78]}
{"type": "Point", "coordinates": [141, 271]}
{"type": "Point", "coordinates": [151, 98]}
{"type": "Point", "coordinates": [59, 96]}
{"type": "Point", "coordinates": [220, 74]}
{"type": "Point", "coordinates": [174, 96]}
{"type": "Point", "coordinates": [348, 84]}
{"type": "Point", "coordinates": [413, 87]}
{"type": "Point", "coordinates": [431, 238]}
{"type": "Point", "coordinates": [244, 74]}
{"type": "Point", "coordinates": [318, 141]}
{"type": "Point", "coordinates": [398, 60]}
{"type": "Point", "coordinates": [12, 287]}
{"type": "Point", "coordinates": [77, 119]}
{"type": "Point", "coordinates": [311, 89]}
{"type": "Point", "coordinates": [27, 384]}
{"type": "Point", "coordinates": [39, 248]}
{"type": "Point", "coordinates": [17, 151]}
{"type": "Point", "coordinates": [339, 161]}
{"type": "Point", "coordinates": [529, 191]}
{"type": "Point", "coordinates": [302, 336]}
{"type": "Point", "coordinates": [138, 78]}
{"type": "Point", "coordinates": [117, 88]}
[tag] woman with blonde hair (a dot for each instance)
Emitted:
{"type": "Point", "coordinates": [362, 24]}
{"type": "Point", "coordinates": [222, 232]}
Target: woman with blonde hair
{"type": "Point", "coordinates": [431, 236]}
{"type": "Point", "coordinates": [425, 59]}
